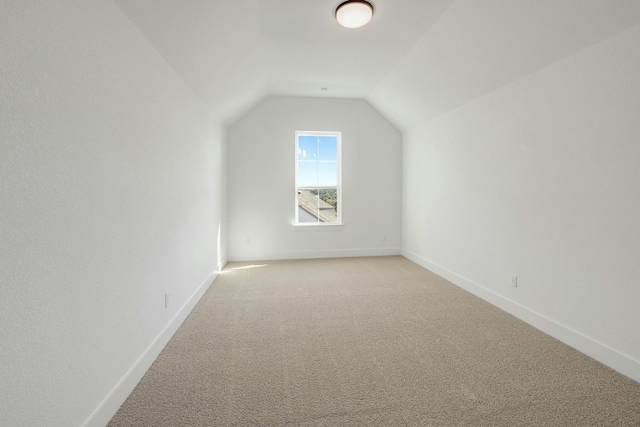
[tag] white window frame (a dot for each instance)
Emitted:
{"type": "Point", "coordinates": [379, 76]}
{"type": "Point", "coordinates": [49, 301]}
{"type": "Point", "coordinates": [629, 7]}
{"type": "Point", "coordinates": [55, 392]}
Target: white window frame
{"type": "Point", "coordinates": [323, 225]}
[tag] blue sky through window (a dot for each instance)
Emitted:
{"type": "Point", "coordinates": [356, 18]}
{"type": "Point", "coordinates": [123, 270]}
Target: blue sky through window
{"type": "Point", "coordinates": [328, 174]}
{"type": "Point", "coordinates": [317, 161]}
{"type": "Point", "coordinates": [307, 147]}
{"type": "Point", "coordinates": [328, 148]}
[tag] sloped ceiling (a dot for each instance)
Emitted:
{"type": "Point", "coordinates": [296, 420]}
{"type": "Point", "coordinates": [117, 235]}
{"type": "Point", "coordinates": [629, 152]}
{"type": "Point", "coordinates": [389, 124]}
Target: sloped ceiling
{"type": "Point", "coordinates": [416, 60]}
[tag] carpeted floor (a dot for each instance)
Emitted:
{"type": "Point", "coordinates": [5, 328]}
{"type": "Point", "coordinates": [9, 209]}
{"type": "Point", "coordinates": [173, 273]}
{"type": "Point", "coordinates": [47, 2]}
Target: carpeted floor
{"type": "Point", "coordinates": [367, 342]}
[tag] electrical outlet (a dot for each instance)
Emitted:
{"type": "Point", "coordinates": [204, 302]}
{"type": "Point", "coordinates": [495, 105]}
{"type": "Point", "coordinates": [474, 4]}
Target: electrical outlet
{"type": "Point", "coordinates": [166, 299]}
{"type": "Point", "coordinates": [514, 280]}
{"type": "Point", "coordinates": [248, 240]}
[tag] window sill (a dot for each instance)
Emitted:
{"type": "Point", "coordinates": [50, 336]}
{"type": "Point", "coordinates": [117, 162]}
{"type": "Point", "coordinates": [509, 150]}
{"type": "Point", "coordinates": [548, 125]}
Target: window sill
{"type": "Point", "coordinates": [317, 227]}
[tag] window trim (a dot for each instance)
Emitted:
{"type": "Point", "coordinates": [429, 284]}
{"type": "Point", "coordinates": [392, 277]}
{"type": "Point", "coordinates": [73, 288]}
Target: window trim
{"type": "Point", "coordinates": [333, 225]}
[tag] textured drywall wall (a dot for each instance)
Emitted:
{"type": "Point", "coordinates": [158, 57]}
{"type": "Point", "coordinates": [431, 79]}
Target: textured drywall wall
{"type": "Point", "coordinates": [540, 179]}
{"type": "Point", "coordinates": [261, 187]}
{"type": "Point", "coordinates": [109, 197]}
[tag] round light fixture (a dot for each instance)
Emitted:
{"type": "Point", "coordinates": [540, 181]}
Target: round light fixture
{"type": "Point", "coordinates": [354, 13]}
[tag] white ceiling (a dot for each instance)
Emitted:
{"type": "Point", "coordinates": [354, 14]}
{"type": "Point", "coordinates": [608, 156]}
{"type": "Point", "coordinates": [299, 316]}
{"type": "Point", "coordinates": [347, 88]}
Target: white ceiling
{"type": "Point", "coordinates": [416, 59]}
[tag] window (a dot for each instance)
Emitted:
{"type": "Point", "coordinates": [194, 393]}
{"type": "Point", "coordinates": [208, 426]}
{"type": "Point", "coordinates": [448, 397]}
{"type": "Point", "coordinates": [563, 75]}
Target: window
{"type": "Point", "coordinates": [318, 178]}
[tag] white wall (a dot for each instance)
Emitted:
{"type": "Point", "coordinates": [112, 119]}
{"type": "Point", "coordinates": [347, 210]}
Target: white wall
{"type": "Point", "coordinates": [540, 178]}
{"type": "Point", "coordinates": [261, 187]}
{"type": "Point", "coordinates": [109, 196]}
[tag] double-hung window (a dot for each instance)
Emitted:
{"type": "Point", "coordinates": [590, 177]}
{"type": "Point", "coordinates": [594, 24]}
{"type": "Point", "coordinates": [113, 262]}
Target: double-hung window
{"type": "Point", "coordinates": [318, 183]}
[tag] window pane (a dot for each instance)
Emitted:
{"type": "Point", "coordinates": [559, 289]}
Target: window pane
{"type": "Point", "coordinates": [328, 205]}
{"type": "Point", "coordinates": [307, 174]}
{"type": "Point", "coordinates": [316, 205]}
{"type": "Point", "coordinates": [307, 206]}
{"type": "Point", "coordinates": [328, 174]}
{"type": "Point", "coordinates": [317, 178]}
{"type": "Point", "coordinates": [307, 147]}
{"type": "Point", "coordinates": [328, 149]}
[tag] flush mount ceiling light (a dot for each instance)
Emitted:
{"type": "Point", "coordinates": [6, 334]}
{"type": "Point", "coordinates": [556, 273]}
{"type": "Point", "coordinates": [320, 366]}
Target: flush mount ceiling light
{"type": "Point", "coordinates": [354, 13]}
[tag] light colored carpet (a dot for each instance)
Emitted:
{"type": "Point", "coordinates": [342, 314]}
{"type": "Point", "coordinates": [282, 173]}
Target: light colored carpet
{"type": "Point", "coordinates": [367, 342]}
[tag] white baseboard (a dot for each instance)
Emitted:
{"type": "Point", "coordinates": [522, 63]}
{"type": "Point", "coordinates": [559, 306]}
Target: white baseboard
{"type": "Point", "coordinates": [340, 253]}
{"type": "Point", "coordinates": [110, 405]}
{"type": "Point", "coordinates": [598, 351]}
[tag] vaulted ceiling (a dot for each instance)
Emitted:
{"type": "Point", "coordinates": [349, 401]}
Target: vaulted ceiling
{"type": "Point", "coordinates": [417, 59]}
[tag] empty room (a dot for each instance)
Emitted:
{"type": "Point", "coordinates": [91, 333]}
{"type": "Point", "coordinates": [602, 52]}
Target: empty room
{"type": "Point", "coordinates": [319, 213]}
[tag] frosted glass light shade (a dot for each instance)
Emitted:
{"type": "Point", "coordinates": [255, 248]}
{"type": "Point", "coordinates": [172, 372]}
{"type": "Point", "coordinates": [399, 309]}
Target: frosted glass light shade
{"type": "Point", "coordinates": [354, 13]}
